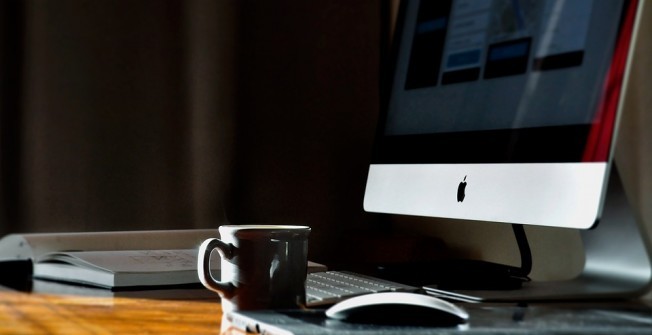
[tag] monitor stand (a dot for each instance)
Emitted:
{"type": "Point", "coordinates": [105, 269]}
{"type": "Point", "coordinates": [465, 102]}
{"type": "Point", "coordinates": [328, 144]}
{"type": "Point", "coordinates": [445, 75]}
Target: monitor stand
{"type": "Point", "coordinates": [617, 262]}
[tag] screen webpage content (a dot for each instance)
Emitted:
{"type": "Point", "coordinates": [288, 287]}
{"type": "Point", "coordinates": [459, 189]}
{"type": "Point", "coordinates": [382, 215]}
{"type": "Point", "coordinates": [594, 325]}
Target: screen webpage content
{"type": "Point", "coordinates": [473, 65]}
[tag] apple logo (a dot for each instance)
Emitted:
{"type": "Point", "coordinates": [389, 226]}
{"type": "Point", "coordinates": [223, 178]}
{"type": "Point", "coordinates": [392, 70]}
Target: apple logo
{"type": "Point", "coordinates": [460, 190]}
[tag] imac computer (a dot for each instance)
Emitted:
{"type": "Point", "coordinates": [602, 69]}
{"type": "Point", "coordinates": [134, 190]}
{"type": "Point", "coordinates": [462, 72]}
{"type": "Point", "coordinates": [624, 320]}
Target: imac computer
{"type": "Point", "coordinates": [507, 111]}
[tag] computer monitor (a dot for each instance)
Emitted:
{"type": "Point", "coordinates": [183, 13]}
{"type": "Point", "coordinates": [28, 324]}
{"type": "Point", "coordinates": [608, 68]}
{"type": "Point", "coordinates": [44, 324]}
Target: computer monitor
{"type": "Point", "coordinates": [505, 111]}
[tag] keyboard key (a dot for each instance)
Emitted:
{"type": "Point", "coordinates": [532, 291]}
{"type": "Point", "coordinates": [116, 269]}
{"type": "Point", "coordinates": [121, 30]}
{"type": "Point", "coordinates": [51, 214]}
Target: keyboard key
{"type": "Point", "coordinates": [333, 286]}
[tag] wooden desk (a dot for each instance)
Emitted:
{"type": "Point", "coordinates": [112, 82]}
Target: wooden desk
{"type": "Point", "coordinates": [27, 313]}
{"type": "Point", "coordinates": [37, 313]}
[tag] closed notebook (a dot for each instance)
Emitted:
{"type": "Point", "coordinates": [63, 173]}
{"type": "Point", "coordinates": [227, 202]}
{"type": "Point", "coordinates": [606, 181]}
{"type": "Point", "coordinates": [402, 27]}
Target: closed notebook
{"type": "Point", "coordinates": [122, 268]}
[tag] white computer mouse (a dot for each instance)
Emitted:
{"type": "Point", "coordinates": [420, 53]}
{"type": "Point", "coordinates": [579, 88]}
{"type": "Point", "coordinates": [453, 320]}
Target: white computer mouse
{"type": "Point", "coordinates": [398, 308]}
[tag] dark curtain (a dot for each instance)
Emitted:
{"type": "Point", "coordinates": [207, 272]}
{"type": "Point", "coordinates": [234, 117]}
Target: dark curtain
{"type": "Point", "coordinates": [149, 114]}
{"type": "Point", "coordinates": [115, 115]}
{"type": "Point", "coordinates": [11, 56]}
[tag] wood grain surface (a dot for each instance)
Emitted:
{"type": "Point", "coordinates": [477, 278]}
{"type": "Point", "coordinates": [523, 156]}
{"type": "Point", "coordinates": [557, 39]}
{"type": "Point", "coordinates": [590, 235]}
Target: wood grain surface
{"type": "Point", "coordinates": [27, 313]}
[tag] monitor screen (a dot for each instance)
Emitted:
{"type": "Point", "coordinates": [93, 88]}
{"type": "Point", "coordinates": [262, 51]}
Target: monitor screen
{"type": "Point", "coordinates": [501, 110]}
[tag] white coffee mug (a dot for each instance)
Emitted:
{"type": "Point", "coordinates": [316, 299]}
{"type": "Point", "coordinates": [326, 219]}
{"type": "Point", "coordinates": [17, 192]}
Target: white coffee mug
{"type": "Point", "coordinates": [262, 267]}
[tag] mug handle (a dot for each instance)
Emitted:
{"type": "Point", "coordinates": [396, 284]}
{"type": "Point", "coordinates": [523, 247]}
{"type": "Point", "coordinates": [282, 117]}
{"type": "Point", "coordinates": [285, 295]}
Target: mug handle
{"type": "Point", "coordinates": [203, 266]}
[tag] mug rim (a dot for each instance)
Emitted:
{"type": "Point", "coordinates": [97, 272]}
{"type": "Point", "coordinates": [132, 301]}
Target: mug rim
{"type": "Point", "coordinates": [263, 227]}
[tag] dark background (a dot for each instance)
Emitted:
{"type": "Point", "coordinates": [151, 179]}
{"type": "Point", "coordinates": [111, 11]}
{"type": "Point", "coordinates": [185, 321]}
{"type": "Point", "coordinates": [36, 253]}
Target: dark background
{"type": "Point", "coordinates": [125, 115]}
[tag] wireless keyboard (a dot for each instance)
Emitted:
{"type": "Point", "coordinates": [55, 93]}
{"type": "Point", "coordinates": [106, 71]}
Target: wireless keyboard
{"type": "Point", "coordinates": [330, 287]}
